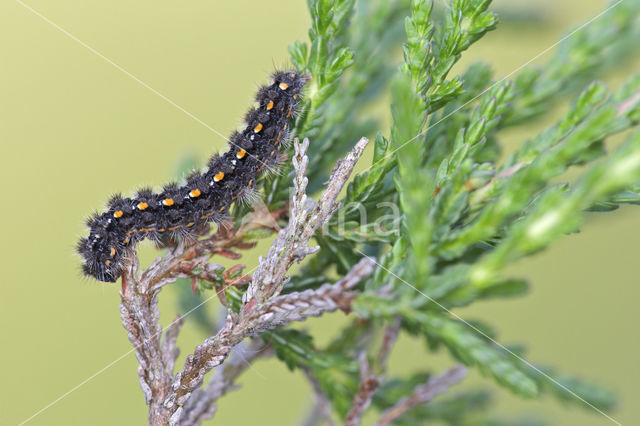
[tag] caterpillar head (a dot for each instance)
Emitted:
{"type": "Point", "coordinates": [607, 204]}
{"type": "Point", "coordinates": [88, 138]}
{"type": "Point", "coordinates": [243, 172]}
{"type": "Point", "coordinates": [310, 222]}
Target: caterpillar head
{"type": "Point", "coordinates": [100, 257]}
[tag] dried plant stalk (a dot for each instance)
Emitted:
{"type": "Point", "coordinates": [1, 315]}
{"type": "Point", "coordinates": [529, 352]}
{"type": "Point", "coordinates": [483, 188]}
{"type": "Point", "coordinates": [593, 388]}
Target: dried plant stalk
{"type": "Point", "coordinates": [171, 399]}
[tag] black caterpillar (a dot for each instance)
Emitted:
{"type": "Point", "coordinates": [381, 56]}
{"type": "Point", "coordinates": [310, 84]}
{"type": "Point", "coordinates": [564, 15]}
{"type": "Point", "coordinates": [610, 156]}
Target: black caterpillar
{"type": "Point", "coordinates": [178, 211]}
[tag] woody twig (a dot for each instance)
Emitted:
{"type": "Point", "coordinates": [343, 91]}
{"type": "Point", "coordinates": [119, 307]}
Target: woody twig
{"type": "Point", "coordinates": [171, 399]}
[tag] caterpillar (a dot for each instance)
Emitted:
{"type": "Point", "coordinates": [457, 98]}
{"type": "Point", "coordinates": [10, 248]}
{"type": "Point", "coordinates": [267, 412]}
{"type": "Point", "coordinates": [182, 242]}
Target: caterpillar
{"type": "Point", "coordinates": [179, 211]}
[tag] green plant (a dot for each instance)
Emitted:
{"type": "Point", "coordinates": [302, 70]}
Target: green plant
{"type": "Point", "coordinates": [429, 226]}
{"type": "Point", "coordinates": [465, 214]}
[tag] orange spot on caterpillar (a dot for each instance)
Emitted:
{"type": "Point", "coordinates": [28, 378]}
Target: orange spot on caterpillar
{"type": "Point", "coordinates": [283, 86]}
{"type": "Point", "coordinates": [161, 230]}
{"type": "Point", "coordinates": [278, 139]}
{"type": "Point", "coordinates": [126, 240]}
{"type": "Point", "coordinates": [107, 262]}
{"type": "Point", "coordinates": [222, 208]}
{"type": "Point", "coordinates": [269, 105]}
{"type": "Point", "coordinates": [250, 182]}
{"type": "Point", "coordinates": [285, 126]}
{"type": "Point", "coordinates": [218, 177]}
{"type": "Point", "coordinates": [289, 112]}
{"type": "Point", "coordinates": [272, 152]}
{"type": "Point", "coordinates": [113, 251]}
{"type": "Point", "coordinates": [143, 230]}
{"type": "Point", "coordinates": [204, 216]}
{"type": "Point", "coordinates": [118, 213]}
{"type": "Point", "coordinates": [142, 205]}
{"type": "Point", "coordinates": [190, 224]}
{"type": "Point", "coordinates": [258, 128]}
{"type": "Point", "coordinates": [194, 193]}
{"type": "Point", "coordinates": [240, 154]}
{"type": "Point", "coordinates": [168, 201]}
{"type": "Point", "coordinates": [173, 228]}
{"type": "Point", "coordinates": [295, 96]}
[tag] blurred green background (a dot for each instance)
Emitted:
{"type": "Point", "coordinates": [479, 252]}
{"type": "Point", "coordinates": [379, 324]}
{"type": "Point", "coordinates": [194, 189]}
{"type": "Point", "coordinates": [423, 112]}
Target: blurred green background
{"type": "Point", "coordinates": [74, 129]}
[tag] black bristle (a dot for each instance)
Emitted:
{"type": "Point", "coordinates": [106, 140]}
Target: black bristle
{"type": "Point", "coordinates": [182, 212]}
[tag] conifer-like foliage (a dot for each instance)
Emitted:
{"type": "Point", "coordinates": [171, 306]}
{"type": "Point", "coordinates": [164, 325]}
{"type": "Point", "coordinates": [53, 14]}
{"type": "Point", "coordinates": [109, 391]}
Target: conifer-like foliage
{"type": "Point", "coordinates": [438, 206]}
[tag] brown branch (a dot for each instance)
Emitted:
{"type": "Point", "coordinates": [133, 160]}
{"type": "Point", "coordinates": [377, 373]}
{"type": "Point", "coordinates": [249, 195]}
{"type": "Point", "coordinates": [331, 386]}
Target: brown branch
{"type": "Point", "coordinates": [169, 350]}
{"type": "Point", "coordinates": [279, 311]}
{"type": "Point", "coordinates": [368, 387]}
{"type": "Point", "coordinates": [139, 301]}
{"type": "Point", "coordinates": [305, 218]}
{"type": "Point", "coordinates": [262, 308]}
{"type": "Point", "coordinates": [185, 257]}
{"type": "Point", "coordinates": [424, 393]}
{"type": "Point", "coordinates": [140, 317]}
{"type": "Point", "coordinates": [370, 381]}
{"type": "Point", "coordinates": [203, 403]}
{"type": "Point", "coordinates": [140, 314]}
{"type": "Point", "coordinates": [313, 303]}
{"type": "Point", "coordinates": [260, 311]}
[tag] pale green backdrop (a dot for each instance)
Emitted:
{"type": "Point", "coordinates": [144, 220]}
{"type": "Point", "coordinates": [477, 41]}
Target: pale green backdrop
{"type": "Point", "coordinates": [74, 129]}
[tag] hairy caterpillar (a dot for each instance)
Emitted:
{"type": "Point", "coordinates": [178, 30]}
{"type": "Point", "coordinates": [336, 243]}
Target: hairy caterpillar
{"type": "Point", "coordinates": [178, 211]}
